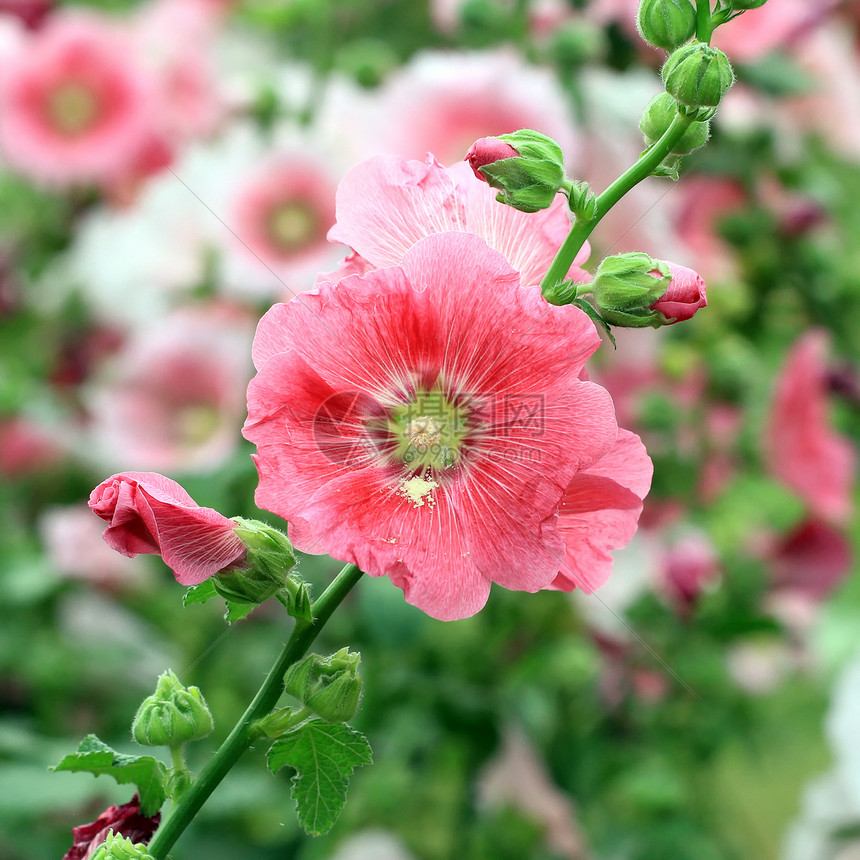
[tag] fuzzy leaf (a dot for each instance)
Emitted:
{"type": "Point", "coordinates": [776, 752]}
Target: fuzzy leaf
{"type": "Point", "coordinates": [323, 755]}
{"type": "Point", "coordinates": [147, 773]}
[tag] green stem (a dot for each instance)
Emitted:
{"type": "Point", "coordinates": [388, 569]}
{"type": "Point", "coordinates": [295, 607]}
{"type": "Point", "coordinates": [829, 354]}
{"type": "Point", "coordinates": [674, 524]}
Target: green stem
{"type": "Point", "coordinates": [241, 737]}
{"type": "Point", "coordinates": [631, 177]}
{"type": "Point", "coordinates": [704, 24]}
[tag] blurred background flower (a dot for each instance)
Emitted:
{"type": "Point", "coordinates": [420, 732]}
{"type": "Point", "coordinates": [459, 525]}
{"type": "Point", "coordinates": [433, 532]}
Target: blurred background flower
{"type": "Point", "coordinates": [168, 170]}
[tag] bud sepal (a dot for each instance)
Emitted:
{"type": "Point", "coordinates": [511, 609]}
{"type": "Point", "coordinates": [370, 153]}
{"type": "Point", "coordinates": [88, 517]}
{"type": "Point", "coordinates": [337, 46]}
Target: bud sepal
{"type": "Point", "coordinates": [118, 847]}
{"type": "Point", "coordinates": [698, 75]}
{"type": "Point", "coordinates": [172, 715]}
{"type": "Point", "coordinates": [666, 24]}
{"type": "Point", "coordinates": [329, 686]}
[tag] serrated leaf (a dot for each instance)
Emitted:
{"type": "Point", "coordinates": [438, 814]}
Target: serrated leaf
{"type": "Point", "coordinates": [323, 756]}
{"type": "Point", "coordinates": [147, 773]}
{"type": "Point", "coordinates": [199, 593]}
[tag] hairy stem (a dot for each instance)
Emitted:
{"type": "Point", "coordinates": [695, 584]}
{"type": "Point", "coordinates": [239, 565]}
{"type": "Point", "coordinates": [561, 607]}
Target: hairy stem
{"type": "Point", "coordinates": [242, 735]}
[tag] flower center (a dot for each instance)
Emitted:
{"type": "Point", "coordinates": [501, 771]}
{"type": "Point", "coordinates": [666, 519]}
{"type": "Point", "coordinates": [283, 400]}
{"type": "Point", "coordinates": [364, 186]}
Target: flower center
{"type": "Point", "coordinates": [291, 226]}
{"type": "Point", "coordinates": [73, 108]}
{"type": "Point", "coordinates": [428, 432]}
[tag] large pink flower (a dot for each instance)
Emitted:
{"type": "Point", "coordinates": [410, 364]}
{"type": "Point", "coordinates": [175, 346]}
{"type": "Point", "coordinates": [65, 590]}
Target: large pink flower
{"type": "Point", "coordinates": [385, 205]}
{"type": "Point", "coordinates": [600, 512]}
{"type": "Point", "coordinates": [74, 104]}
{"type": "Point", "coordinates": [148, 513]}
{"type": "Point", "coordinates": [424, 421]}
{"type": "Point", "coordinates": [802, 449]}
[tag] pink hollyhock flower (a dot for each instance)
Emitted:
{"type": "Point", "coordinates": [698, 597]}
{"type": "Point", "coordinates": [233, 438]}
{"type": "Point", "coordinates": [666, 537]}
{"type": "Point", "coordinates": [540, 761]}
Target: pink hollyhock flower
{"type": "Point", "coordinates": [173, 397]}
{"type": "Point", "coordinates": [683, 297]}
{"type": "Point", "coordinates": [423, 421]}
{"type": "Point", "coordinates": [124, 820]}
{"type": "Point", "coordinates": [801, 448]}
{"type": "Point", "coordinates": [148, 513]}
{"type": "Point", "coordinates": [486, 151]}
{"type": "Point", "coordinates": [600, 511]}
{"type": "Point", "coordinates": [385, 205]}
{"type": "Point", "coordinates": [74, 104]}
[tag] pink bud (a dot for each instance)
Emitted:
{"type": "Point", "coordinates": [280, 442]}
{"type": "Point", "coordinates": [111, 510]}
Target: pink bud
{"type": "Point", "coordinates": [684, 295]}
{"type": "Point", "coordinates": [148, 513]}
{"type": "Point", "coordinates": [486, 151]}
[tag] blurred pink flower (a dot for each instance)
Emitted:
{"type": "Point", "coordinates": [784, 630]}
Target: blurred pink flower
{"type": "Point", "coordinates": [173, 397]}
{"type": "Point", "coordinates": [801, 448]}
{"type": "Point", "coordinates": [704, 200]}
{"type": "Point", "coordinates": [125, 820]}
{"type": "Point", "coordinates": [775, 25]}
{"type": "Point", "coordinates": [404, 426]}
{"type": "Point", "coordinates": [684, 296]}
{"type": "Point", "coordinates": [385, 205]}
{"type": "Point", "coordinates": [689, 566]}
{"type": "Point", "coordinates": [74, 103]}
{"type": "Point", "coordinates": [812, 560]}
{"type": "Point", "coordinates": [148, 513]}
{"type": "Point", "coordinates": [33, 13]}
{"type": "Point", "coordinates": [443, 101]}
{"type": "Point", "coordinates": [600, 511]}
{"type": "Point", "coordinates": [283, 212]}
{"type": "Point", "coordinates": [26, 447]}
{"type": "Point", "coordinates": [74, 545]}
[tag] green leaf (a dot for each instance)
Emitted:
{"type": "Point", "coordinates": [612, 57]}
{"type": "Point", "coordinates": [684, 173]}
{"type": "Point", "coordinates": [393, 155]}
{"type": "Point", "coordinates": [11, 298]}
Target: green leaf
{"type": "Point", "coordinates": [201, 593]}
{"type": "Point", "coordinates": [595, 317]}
{"type": "Point", "coordinates": [323, 755]}
{"type": "Point", "coordinates": [147, 773]}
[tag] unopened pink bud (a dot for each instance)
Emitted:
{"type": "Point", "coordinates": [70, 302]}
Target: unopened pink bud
{"type": "Point", "coordinates": [486, 151]}
{"type": "Point", "coordinates": [684, 295]}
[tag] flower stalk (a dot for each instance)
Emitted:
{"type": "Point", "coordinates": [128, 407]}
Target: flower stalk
{"type": "Point", "coordinates": [631, 177]}
{"type": "Point", "coordinates": [243, 734]}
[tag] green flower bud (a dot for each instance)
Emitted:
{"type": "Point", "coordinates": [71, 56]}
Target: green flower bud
{"type": "Point", "coordinates": [666, 24]}
{"type": "Point", "coordinates": [172, 715]}
{"type": "Point", "coordinates": [266, 568]}
{"type": "Point", "coordinates": [626, 285]}
{"type": "Point", "coordinates": [116, 847]}
{"type": "Point", "coordinates": [329, 686]}
{"type": "Point", "coordinates": [660, 114]}
{"type": "Point", "coordinates": [698, 75]}
{"type": "Point", "coordinates": [526, 166]}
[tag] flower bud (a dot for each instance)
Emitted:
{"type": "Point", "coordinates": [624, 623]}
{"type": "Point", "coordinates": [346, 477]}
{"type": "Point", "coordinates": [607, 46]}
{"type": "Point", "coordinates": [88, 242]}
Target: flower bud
{"type": "Point", "coordinates": [683, 297]}
{"type": "Point", "coordinates": [666, 24]}
{"type": "Point", "coordinates": [329, 686]}
{"type": "Point", "coordinates": [172, 715]}
{"type": "Point", "coordinates": [526, 166]}
{"type": "Point", "coordinates": [117, 847]}
{"type": "Point", "coordinates": [698, 75]}
{"type": "Point", "coordinates": [657, 118]}
{"type": "Point", "coordinates": [267, 565]}
{"type": "Point", "coordinates": [626, 285]}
